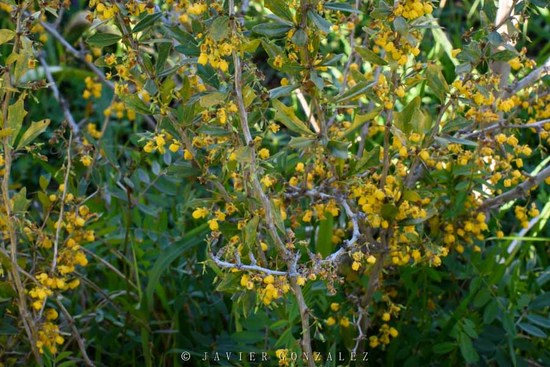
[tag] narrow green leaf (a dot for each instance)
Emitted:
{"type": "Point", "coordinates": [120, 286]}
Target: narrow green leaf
{"type": "Point", "coordinates": [103, 39]}
{"type": "Point", "coordinates": [467, 349]}
{"type": "Point", "coordinates": [532, 330]}
{"type": "Point", "coordinates": [338, 149]}
{"type": "Point", "coordinates": [288, 118]}
{"type": "Point", "coordinates": [324, 236]}
{"type": "Point", "coordinates": [342, 7]}
{"type": "Point", "coordinates": [16, 114]}
{"type": "Point", "coordinates": [272, 30]}
{"type": "Point", "coordinates": [437, 82]}
{"type": "Point", "coordinates": [250, 231]}
{"type": "Point", "coordinates": [173, 253]}
{"type": "Point", "coordinates": [219, 29]}
{"type": "Point", "coordinates": [136, 103]}
{"type": "Point", "coordinates": [539, 320]}
{"type": "Point", "coordinates": [320, 22]}
{"type": "Point", "coordinates": [282, 91]}
{"type": "Point", "coordinates": [280, 8]}
{"type": "Point", "coordinates": [32, 132]}
{"type": "Point", "coordinates": [355, 91]}
{"type": "Point", "coordinates": [370, 56]}
{"type": "Point", "coordinates": [147, 21]}
{"type": "Point", "coordinates": [298, 142]}
{"type": "Point", "coordinates": [6, 35]}
{"type": "Point", "coordinates": [444, 348]}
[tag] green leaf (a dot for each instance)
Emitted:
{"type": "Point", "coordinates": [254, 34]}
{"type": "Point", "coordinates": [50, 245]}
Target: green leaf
{"type": "Point", "coordinates": [133, 101]}
{"type": "Point", "coordinates": [368, 160]}
{"type": "Point", "coordinates": [299, 37]}
{"type": "Point", "coordinates": [359, 120]}
{"type": "Point", "coordinates": [168, 256]}
{"type": "Point", "coordinates": [532, 330]}
{"type": "Point", "coordinates": [389, 211]}
{"type": "Point", "coordinates": [6, 35]}
{"type": "Point", "coordinates": [468, 327]}
{"type": "Point", "coordinates": [355, 91]}
{"type": "Point", "coordinates": [404, 120]}
{"type": "Point", "coordinates": [288, 118]}
{"type": "Point", "coordinates": [298, 142]}
{"type": "Point", "coordinates": [282, 91]}
{"type": "Point", "coordinates": [16, 114]}
{"type": "Point", "coordinates": [539, 320]}
{"type": "Point", "coordinates": [338, 149]}
{"type": "Point", "coordinates": [455, 124]}
{"type": "Point", "coordinates": [272, 30]}
{"type": "Point", "coordinates": [320, 22]}
{"type": "Point", "coordinates": [219, 29]}
{"type": "Point", "coordinates": [370, 56]}
{"type": "Point", "coordinates": [103, 39]}
{"type": "Point", "coordinates": [482, 298]}
{"type": "Point", "coordinates": [540, 302]}
{"type": "Point", "coordinates": [342, 7]}
{"type": "Point", "coordinates": [280, 8]}
{"type": "Point", "coordinates": [449, 139]}
{"type": "Point", "coordinates": [491, 312]}
{"type": "Point", "coordinates": [212, 99]}
{"type": "Point", "coordinates": [467, 349]}
{"type": "Point", "coordinates": [383, 11]}
{"type": "Point", "coordinates": [444, 348]}
{"type": "Point", "coordinates": [271, 49]}
{"type": "Point", "coordinates": [324, 236]}
{"type": "Point", "coordinates": [250, 231]}
{"type": "Point", "coordinates": [20, 201]}
{"type": "Point", "coordinates": [146, 21]}
{"type": "Point", "coordinates": [401, 26]}
{"type": "Point", "coordinates": [32, 132]}
{"type": "Point", "coordinates": [504, 55]}
{"type": "Point", "coordinates": [437, 82]}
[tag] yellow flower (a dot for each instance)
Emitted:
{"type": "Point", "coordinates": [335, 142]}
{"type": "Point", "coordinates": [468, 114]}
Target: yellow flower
{"type": "Point", "coordinates": [86, 160]}
{"type": "Point", "coordinates": [264, 153]}
{"type": "Point", "coordinates": [307, 216]}
{"type": "Point", "coordinates": [200, 213]}
{"type": "Point", "coordinates": [213, 224]}
{"type": "Point", "coordinates": [174, 147]}
{"type": "Point", "coordinates": [51, 314]}
{"type": "Point", "coordinates": [331, 321]}
{"type": "Point", "coordinates": [344, 322]}
{"type": "Point", "coordinates": [334, 306]}
{"type": "Point", "coordinates": [267, 181]}
{"type": "Point", "coordinates": [269, 279]}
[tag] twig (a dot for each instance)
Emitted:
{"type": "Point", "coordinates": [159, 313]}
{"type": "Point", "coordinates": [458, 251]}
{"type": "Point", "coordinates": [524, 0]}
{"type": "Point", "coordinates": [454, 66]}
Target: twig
{"type": "Point", "coordinates": [307, 110]}
{"type": "Point", "coordinates": [59, 98]}
{"type": "Point", "coordinates": [515, 243]}
{"type": "Point", "coordinates": [78, 54]}
{"type": "Point", "coordinates": [533, 125]}
{"type": "Point", "coordinates": [264, 200]}
{"type": "Point", "coordinates": [240, 266]}
{"type": "Point", "coordinates": [28, 323]}
{"type": "Point", "coordinates": [530, 79]}
{"type": "Point", "coordinates": [62, 205]}
{"type": "Point", "coordinates": [107, 264]}
{"type": "Point", "coordinates": [518, 191]}
{"type": "Point", "coordinates": [335, 256]}
{"type": "Point", "coordinates": [76, 334]}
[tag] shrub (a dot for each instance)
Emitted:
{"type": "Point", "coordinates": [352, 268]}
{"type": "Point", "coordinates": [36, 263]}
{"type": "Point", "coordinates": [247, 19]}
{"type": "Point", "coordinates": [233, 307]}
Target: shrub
{"type": "Point", "coordinates": [319, 178]}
